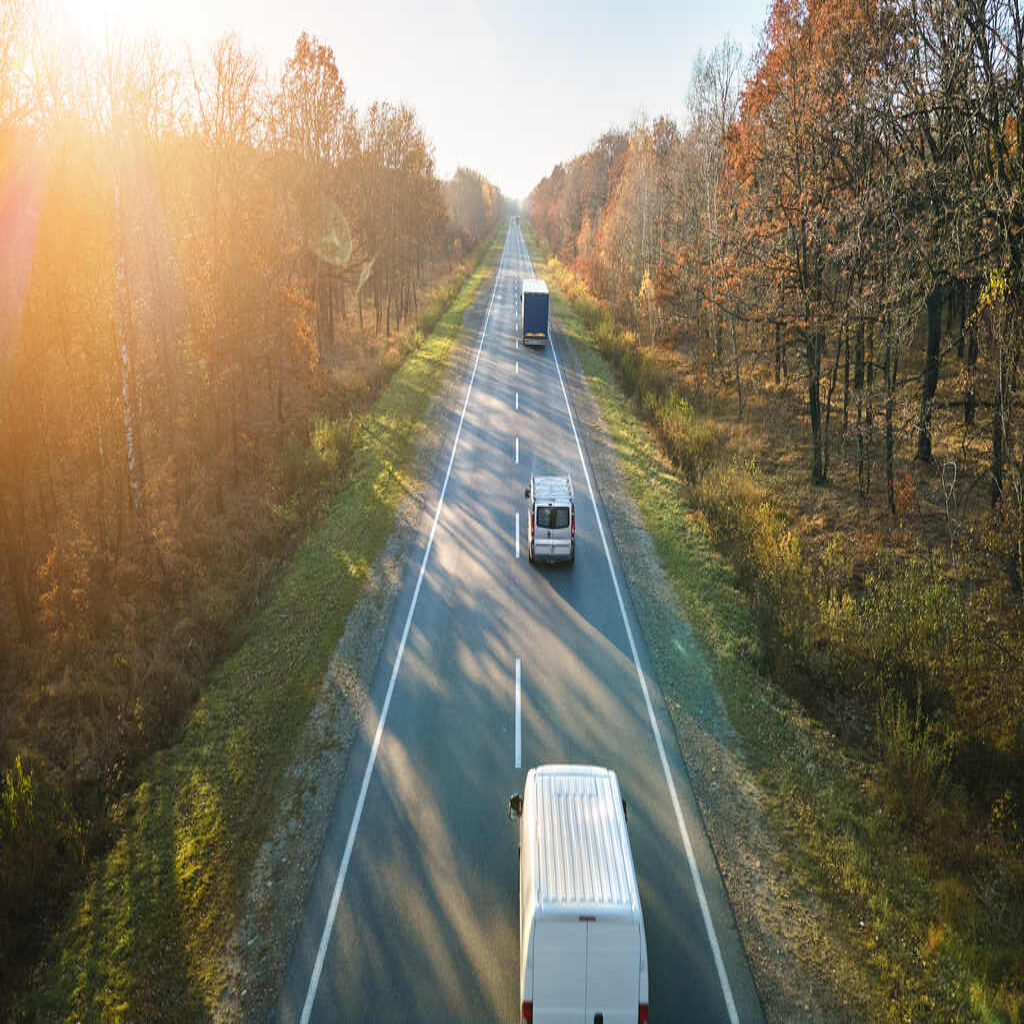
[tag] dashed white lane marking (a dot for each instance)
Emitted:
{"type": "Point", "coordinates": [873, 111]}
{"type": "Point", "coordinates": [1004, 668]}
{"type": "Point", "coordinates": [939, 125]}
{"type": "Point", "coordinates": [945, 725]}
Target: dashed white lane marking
{"type": "Point", "coordinates": [517, 451]}
{"type": "Point", "coordinates": [346, 857]}
{"type": "Point", "coordinates": [517, 535]}
{"type": "Point", "coordinates": [519, 727]}
{"type": "Point", "coordinates": [698, 885]}
{"type": "Point", "coordinates": [517, 366]}
{"type": "Point", "coordinates": [517, 401]}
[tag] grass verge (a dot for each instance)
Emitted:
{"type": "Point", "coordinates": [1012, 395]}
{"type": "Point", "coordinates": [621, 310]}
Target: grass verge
{"type": "Point", "coordinates": [144, 938]}
{"type": "Point", "coordinates": [934, 948]}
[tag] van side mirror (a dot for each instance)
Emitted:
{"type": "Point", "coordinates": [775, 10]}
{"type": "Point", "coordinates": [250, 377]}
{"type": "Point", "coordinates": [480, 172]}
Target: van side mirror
{"type": "Point", "coordinates": [625, 809]}
{"type": "Point", "coordinates": [526, 493]}
{"type": "Point", "coordinates": [515, 806]}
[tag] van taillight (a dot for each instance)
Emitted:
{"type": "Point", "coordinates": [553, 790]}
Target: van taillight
{"type": "Point", "coordinates": [641, 1017]}
{"type": "Point", "coordinates": [574, 522]}
{"type": "Point", "coordinates": [531, 522]}
{"type": "Point", "coordinates": [527, 1011]}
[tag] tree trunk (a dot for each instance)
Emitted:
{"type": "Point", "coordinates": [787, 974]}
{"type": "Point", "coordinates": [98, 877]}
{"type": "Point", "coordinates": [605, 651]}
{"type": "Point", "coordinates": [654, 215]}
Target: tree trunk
{"type": "Point", "coordinates": [957, 303]}
{"type": "Point", "coordinates": [813, 346]}
{"type": "Point", "coordinates": [970, 396]}
{"type": "Point", "coordinates": [317, 310]}
{"type": "Point", "coordinates": [858, 390]}
{"type": "Point", "coordinates": [736, 368]}
{"type": "Point", "coordinates": [869, 411]}
{"type": "Point", "coordinates": [930, 378]}
{"type": "Point", "coordinates": [14, 555]}
{"type": "Point", "coordinates": [234, 435]}
{"type": "Point", "coordinates": [999, 427]}
{"type": "Point", "coordinates": [846, 383]}
{"type": "Point", "coordinates": [828, 404]}
{"type": "Point", "coordinates": [129, 384]}
{"type": "Point", "coordinates": [101, 495]}
{"type": "Point", "coordinates": [891, 367]}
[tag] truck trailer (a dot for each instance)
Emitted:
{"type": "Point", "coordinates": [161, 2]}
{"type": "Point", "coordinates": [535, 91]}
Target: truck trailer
{"type": "Point", "coordinates": [535, 311]}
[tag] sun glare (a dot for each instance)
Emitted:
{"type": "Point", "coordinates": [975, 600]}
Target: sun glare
{"type": "Point", "coordinates": [93, 21]}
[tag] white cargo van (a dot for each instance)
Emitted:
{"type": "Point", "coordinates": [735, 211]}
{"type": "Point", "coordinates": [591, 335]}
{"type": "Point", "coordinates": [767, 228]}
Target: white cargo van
{"type": "Point", "coordinates": [552, 518]}
{"type": "Point", "coordinates": [582, 948]}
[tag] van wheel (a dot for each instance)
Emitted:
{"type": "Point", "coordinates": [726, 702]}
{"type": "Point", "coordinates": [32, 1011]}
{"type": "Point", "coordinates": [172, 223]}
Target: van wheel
{"type": "Point", "coordinates": [572, 553]}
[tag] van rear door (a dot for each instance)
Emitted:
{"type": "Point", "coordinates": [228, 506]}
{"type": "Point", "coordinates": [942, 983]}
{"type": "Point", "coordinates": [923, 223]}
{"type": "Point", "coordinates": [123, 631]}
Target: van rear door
{"type": "Point", "coordinates": [552, 533]}
{"type": "Point", "coordinates": [613, 971]}
{"type": "Point", "coordinates": [560, 972]}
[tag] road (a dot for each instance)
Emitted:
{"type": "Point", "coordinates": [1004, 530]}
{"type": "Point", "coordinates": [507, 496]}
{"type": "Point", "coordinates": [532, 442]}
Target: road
{"type": "Point", "coordinates": [413, 912]}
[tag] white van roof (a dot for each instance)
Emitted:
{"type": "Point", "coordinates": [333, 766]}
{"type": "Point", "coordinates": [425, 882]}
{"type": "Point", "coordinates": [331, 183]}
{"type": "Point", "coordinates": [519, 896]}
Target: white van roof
{"type": "Point", "coordinates": [552, 489]}
{"type": "Point", "coordinates": [534, 284]}
{"type": "Point", "coordinates": [582, 857]}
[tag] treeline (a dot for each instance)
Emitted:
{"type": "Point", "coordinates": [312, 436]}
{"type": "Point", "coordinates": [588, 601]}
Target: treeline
{"type": "Point", "coordinates": [829, 254]}
{"type": "Point", "coordinates": [205, 277]}
{"type": "Point", "coordinates": [473, 206]}
{"type": "Point", "coordinates": [855, 193]}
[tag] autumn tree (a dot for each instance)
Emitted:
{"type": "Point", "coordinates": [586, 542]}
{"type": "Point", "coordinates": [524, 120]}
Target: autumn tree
{"type": "Point", "coordinates": [309, 121]}
{"type": "Point", "coordinates": [714, 106]}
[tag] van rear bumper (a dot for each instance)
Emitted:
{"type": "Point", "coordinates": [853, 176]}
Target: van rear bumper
{"type": "Point", "coordinates": [552, 552]}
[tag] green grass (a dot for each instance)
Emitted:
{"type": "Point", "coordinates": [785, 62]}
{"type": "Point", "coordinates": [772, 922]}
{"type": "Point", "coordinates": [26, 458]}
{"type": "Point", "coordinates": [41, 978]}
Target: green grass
{"type": "Point", "coordinates": [930, 947]}
{"type": "Point", "coordinates": [144, 939]}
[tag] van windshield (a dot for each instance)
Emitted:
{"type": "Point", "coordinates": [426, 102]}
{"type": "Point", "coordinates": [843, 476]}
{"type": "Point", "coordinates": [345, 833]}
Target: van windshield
{"type": "Point", "coordinates": [556, 518]}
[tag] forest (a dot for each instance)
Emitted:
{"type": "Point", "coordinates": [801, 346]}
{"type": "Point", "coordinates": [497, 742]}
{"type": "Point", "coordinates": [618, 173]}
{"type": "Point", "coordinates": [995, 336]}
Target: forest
{"type": "Point", "coordinates": [206, 276]}
{"type": "Point", "coordinates": [813, 289]}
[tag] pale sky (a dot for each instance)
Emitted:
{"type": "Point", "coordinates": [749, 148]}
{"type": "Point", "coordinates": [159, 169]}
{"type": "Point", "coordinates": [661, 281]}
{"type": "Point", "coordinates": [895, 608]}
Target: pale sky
{"type": "Point", "coordinates": [508, 89]}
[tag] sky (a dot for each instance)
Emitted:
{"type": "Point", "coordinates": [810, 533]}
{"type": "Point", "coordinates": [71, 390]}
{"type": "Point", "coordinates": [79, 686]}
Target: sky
{"type": "Point", "coordinates": [509, 89]}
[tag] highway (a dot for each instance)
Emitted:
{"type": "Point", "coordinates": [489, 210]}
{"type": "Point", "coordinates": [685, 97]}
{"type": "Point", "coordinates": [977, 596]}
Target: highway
{"type": "Point", "coordinates": [492, 665]}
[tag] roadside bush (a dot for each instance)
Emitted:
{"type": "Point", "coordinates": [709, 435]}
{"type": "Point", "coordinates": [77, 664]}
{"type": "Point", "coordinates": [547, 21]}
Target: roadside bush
{"type": "Point", "coordinates": [915, 757]}
{"type": "Point", "coordinates": [331, 440]}
{"type": "Point", "coordinates": [393, 356]}
{"type": "Point", "coordinates": [690, 442]}
{"type": "Point", "coordinates": [909, 632]}
{"type": "Point", "coordinates": [728, 496]}
{"type": "Point", "coordinates": [41, 852]}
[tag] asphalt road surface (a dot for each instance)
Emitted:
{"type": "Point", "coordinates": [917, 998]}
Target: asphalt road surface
{"type": "Point", "coordinates": [492, 665]}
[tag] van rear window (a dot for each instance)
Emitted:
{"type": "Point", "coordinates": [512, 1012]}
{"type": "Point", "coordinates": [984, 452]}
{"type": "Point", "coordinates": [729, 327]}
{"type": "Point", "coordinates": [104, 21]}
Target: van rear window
{"type": "Point", "coordinates": [549, 518]}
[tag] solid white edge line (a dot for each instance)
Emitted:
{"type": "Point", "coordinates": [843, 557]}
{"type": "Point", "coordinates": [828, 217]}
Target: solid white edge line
{"type": "Point", "coordinates": [318, 967]}
{"type": "Point", "coordinates": [519, 728]}
{"type": "Point", "coordinates": [730, 1003]}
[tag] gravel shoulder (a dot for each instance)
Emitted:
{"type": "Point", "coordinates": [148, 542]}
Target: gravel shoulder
{"type": "Point", "coordinates": [801, 973]}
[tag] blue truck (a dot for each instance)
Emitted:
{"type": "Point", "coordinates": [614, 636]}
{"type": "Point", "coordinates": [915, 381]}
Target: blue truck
{"type": "Point", "coordinates": [535, 312]}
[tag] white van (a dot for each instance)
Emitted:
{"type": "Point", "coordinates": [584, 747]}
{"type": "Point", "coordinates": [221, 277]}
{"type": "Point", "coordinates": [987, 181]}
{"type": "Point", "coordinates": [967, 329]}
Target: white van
{"type": "Point", "coordinates": [582, 948]}
{"type": "Point", "coordinates": [552, 518]}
